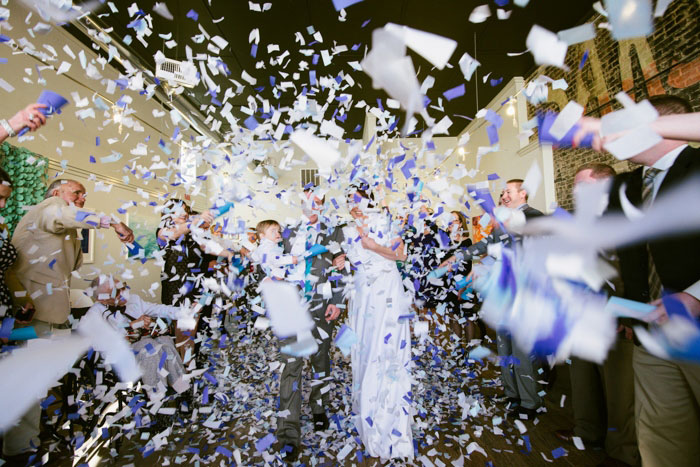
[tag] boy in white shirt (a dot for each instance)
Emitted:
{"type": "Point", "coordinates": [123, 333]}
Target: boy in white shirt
{"type": "Point", "coordinates": [269, 254]}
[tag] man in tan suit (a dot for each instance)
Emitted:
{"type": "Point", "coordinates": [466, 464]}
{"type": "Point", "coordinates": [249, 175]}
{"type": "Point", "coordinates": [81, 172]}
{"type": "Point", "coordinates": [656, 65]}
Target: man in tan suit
{"type": "Point", "coordinates": [48, 251]}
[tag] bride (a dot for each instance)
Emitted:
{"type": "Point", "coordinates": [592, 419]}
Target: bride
{"type": "Point", "coordinates": [381, 359]}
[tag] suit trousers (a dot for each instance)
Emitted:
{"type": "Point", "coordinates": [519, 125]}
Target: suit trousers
{"type": "Point", "coordinates": [289, 427]}
{"type": "Point", "coordinates": [24, 436]}
{"type": "Point", "coordinates": [667, 410]}
{"type": "Point", "coordinates": [602, 397]}
{"type": "Point", "coordinates": [518, 373]}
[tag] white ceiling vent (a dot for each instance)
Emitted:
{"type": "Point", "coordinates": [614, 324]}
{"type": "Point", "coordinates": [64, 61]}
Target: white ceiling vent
{"type": "Point", "coordinates": [177, 73]}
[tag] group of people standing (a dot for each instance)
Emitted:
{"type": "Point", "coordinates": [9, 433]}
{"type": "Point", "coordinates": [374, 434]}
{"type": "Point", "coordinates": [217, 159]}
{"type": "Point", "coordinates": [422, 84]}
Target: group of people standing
{"type": "Point", "coordinates": [380, 266]}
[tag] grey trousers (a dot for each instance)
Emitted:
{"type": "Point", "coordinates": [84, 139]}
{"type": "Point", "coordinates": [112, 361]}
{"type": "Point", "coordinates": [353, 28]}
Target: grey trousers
{"type": "Point", "coordinates": [289, 428]}
{"type": "Point", "coordinates": [518, 373]}
{"type": "Point", "coordinates": [24, 436]}
{"type": "Point", "coordinates": [602, 397]}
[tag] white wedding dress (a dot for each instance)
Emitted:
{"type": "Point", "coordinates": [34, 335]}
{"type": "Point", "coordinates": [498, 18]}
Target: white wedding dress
{"type": "Point", "coordinates": [381, 359]}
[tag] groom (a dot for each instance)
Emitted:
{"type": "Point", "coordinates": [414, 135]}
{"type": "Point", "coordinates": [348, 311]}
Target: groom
{"type": "Point", "coordinates": [324, 310]}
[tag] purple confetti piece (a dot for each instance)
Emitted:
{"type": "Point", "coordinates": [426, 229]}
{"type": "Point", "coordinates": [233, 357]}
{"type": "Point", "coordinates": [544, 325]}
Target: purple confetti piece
{"type": "Point", "coordinates": [264, 443]}
{"type": "Point", "coordinates": [340, 4]}
{"type": "Point", "coordinates": [492, 132]}
{"type": "Point", "coordinates": [583, 60]}
{"type": "Point", "coordinates": [193, 15]}
{"type": "Point", "coordinates": [251, 123]}
{"type": "Point", "coordinates": [494, 118]}
{"type": "Point", "coordinates": [457, 91]}
{"type": "Point", "coordinates": [224, 451]}
{"type": "Point", "coordinates": [407, 167]}
{"type": "Point", "coordinates": [386, 338]}
{"type": "Point", "coordinates": [495, 82]}
{"type": "Point", "coordinates": [493, 176]}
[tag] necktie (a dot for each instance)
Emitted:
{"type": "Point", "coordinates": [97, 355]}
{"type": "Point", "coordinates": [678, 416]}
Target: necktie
{"type": "Point", "coordinates": [308, 286]}
{"type": "Point", "coordinates": [647, 199]}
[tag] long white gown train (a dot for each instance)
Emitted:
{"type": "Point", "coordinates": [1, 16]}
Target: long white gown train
{"type": "Point", "coordinates": [381, 360]}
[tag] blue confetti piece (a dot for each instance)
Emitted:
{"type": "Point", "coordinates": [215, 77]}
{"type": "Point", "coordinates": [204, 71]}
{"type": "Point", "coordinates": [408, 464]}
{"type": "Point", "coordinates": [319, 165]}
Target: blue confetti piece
{"type": "Point", "coordinates": [340, 4]}
{"type": "Point", "coordinates": [492, 132]}
{"type": "Point", "coordinates": [583, 60]}
{"type": "Point", "coordinates": [80, 216]}
{"type": "Point", "coordinates": [264, 443]}
{"type": "Point", "coordinates": [457, 91]}
{"type": "Point", "coordinates": [224, 451]}
{"type": "Point", "coordinates": [193, 15]}
{"type": "Point", "coordinates": [150, 349]}
{"type": "Point", "coordinates": [493, 118]}
{"type": "Point", "coordinates": [558, 452]}
{"type": "Point", "coordinates": [407, 167]}
{"type": "Point", "coordinates": [386, 338]}
{"type": "Point", "coordinates": [495, 82]}
{"type": "Point", "coordinates": [254, 51]}
{"type": "Point", "coordinates": [396, 432]}
{"type": "Point", "coordinates": [162, 361]}
{"type": "Point", "coordinates": [369, 421]}
{"type": "Point", "coordinates": [528, 446]}
{"type": "Point", "coordinates": [52, 263]}
{"type": "Point", "coordinates": [251, 123]}
{"type": "Point", "coordinates": [97, 140]}
{"type": "Point", "coordinates": [47, 402]}
{"type": "Point", "coordinates": [92, 159]}
{"type": "Point", "coordinates": [205, 395]}
{"type": "Point", "coordinates": [493, 176]}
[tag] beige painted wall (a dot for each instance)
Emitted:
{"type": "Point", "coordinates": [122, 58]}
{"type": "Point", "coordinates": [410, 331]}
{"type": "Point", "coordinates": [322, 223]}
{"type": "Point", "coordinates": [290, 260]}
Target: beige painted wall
{"type": "Point", "coordinates": [69, 141]}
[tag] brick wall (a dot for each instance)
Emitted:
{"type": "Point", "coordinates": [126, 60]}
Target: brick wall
{"type": "Point", "coordinates": [666, 62]}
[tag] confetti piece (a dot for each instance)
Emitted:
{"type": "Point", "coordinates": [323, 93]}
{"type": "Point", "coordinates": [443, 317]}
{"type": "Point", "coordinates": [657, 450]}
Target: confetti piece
{"type": "Point", "coordinates": [455, 92]}
{"type": "Point", "coordinates": [340, 4]}
{"type": "Point", "coordinates": [480, 14]}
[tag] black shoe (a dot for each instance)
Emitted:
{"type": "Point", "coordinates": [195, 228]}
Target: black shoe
{"type": "Point", "coordinates": [512, 403]}
{"type": "Point", "coordinates": [320, 422]}
{"type": "Point", "coordinates": [526, 414]}
{"type": "Point", "coordinates": [288, 452]}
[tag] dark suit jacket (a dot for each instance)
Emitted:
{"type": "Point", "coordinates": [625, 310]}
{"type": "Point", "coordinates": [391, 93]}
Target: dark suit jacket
{"type": "Point", "coordinates": [320, 266]}
{"type": "Point", "coordinates": [531, 212]}
{"type": "Point", "coordinates": [677, 259]}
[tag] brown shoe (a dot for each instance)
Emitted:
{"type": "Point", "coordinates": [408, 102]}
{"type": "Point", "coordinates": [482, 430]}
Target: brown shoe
{"type": "Point", "coordinates": [565, 435]}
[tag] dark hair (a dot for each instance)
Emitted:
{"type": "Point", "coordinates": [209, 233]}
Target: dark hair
{"type": "Point", "coordinates": [173, 203]}
{"type": "Point", "coordinates": [264, 225]}
{"type": "Point", "coordinates": [520, 182]}
{"type": "Point", "coordinates": [5, 177]}
{"type": "Point", "coordinates": [598, 170]}
{"type": "Point", "coordinates": [669, 105]}
{"type": "Point", "coordinates": [366, 195]}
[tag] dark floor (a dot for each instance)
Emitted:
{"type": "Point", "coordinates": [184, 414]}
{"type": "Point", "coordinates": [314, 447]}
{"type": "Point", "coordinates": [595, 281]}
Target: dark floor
{"type": "Point", "coordinates": [444, 438]}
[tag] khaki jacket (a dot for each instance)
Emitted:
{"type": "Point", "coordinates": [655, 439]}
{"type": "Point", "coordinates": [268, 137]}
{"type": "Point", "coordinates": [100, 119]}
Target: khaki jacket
{"type": "Point", "coordinates": [48, 251]}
